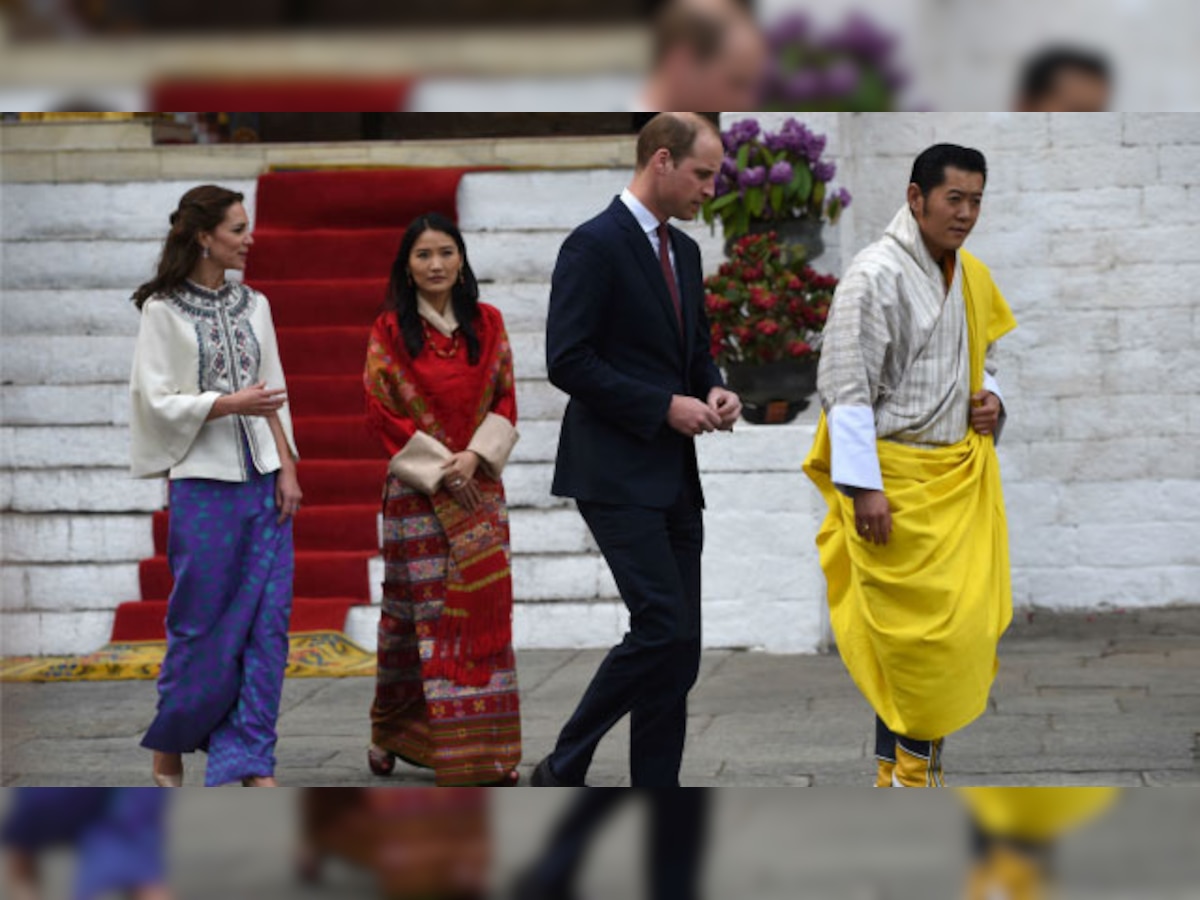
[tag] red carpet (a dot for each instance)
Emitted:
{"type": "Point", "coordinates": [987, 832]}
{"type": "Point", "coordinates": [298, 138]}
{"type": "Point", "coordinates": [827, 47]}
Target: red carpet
{"type": "Point", "coordinates": [324, 244]}
{"type": "Point", "coordinates": [292, 94]}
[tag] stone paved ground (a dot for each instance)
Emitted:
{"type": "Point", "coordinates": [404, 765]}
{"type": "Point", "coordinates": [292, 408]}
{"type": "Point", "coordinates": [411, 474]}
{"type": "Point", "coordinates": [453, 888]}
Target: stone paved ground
{"type": "Point", "coordinates": [1080, 699]}
{"type": "Point", "coordinates": [822, 844]}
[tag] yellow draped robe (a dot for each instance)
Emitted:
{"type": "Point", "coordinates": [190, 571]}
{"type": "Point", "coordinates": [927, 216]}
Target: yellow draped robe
{"type": "Point", "coordinates": [917, 620]}
{"type": "Point", "coordinates": [1033, 813]}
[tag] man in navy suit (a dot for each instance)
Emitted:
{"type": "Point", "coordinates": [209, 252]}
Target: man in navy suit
{"type": "Point", "coordinates": [628, 340]}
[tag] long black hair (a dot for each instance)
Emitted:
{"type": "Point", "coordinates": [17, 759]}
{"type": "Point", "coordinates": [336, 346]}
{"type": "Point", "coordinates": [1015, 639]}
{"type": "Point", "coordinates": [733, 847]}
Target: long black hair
{"type": "Point", "coordinates": [202, 208]}
{"type": "Point", "coordinates": [402, 293]}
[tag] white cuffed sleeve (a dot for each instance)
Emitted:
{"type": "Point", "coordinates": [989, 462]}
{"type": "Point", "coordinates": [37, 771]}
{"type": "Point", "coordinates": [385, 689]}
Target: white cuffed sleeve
{"type": "Point", "coordinates": [991, 384]}
{"type": "Point", "coordinates": [494, 440]}
{"type": "Point", "coordinates": [855, 462]}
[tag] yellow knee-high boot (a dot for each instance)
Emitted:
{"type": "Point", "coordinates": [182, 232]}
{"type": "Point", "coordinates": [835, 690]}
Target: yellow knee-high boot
{"type": "Point", "coordinates": [884, 769]}
{"type": "Point", "coordinates": [1007, 874]}
{"type": "Point", "coordinates": [914, 770]}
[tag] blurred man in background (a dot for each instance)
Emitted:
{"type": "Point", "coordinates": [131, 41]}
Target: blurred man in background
{"type": "Point", "coordinates": [708, 55]}
{"type": "Point", "coordinates": [1065, 79]}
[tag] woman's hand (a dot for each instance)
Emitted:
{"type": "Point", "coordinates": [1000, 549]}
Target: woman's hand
{"type": "Point", "coordinates": [255, 400]}
{"type": "Point", "coordinates": [459, 479]}
{"type": "Point", "coordinates": [287, 493]}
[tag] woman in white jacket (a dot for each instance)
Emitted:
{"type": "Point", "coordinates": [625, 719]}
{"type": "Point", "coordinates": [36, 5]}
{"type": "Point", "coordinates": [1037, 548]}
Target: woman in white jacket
{"type": "Point", "coordinates": [210, 413]}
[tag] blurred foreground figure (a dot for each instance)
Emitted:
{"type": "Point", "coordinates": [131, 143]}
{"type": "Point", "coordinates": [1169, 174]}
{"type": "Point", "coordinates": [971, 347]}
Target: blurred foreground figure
{"type": "Point", "coordinates": [1015, 832]}
{"type": "Point", "coordinates": [419, 842]}
{"type": "Point", "coordinates": [119, 834]}
{"type": "Point", "coordinates": [1065, 79]}
{"type": "Point", "coordinates": [679, 820]}
{"type": "Point", "coordinates": [708, 55]}
{"type": "Point", "coordinates": [915, 545]}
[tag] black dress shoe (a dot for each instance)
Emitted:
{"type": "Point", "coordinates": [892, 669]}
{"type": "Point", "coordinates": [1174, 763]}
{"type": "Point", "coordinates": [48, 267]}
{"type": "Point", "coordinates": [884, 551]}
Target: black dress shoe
{"type": "Point", "coordinates": [543, 776]}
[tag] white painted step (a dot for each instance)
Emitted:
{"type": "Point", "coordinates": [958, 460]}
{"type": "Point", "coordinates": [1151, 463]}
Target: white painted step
{"type": "Point", "coordinates": [60, 587]}
{"type": "Point", "coordinates": [103, 359]}
{"type": "Point", "coordinates": [54, 633]}
{"type": "Point", "coordinates": [108, 404]}
{"type": "Point", "coordinates": [545, 200]}
{"type": "Point", "coordinates": [124, 264]}
{"type": "Point", "coordinates": [84, 490]}
{"type": "Point", "coordinates": [96, 538]}
{"type": "Point", "coordinates": [131, 211]}
{"type": "Point", "coordinates": [109, 312]}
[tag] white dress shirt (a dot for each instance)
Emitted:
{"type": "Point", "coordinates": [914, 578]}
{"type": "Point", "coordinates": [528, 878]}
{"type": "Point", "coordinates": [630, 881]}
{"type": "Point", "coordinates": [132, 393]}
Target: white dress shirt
{"type": "Point", "coordinates": [649, 223]}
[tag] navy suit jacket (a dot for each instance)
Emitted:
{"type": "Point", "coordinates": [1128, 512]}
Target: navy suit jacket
{"type": "Point", "coordinates": [613, 343]}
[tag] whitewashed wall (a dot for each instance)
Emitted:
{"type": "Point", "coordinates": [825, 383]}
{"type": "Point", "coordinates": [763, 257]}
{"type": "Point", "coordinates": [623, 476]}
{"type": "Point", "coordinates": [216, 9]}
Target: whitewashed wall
{"type": "Point", "coordinates": [1091, 225]}
{"type": "Point", "coordinates": [75, 525]}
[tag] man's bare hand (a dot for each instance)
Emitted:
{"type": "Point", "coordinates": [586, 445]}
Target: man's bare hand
{"type": "Point", "coordinates": [985, 412]}
{"type": "Point", "coordinates": [873, 516]}
{"type": "Point", "coordinates": [690, 416]}
{"type": "Point", "coordinates": [727, 405]}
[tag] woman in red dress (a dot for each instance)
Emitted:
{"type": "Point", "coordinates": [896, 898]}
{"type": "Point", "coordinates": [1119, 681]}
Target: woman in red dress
{"type": "Point", "coordinates": [441, 398]}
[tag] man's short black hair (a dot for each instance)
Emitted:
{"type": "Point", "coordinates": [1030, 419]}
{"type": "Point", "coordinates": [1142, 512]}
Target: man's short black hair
{"type": "Point", "coordinates": [929, 169]}
{"type": "Point", "coordinates": [1041, 70]}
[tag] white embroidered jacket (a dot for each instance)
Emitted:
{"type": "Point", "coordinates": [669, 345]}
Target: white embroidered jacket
{"type": "Point", "coordinates": [193, 346]}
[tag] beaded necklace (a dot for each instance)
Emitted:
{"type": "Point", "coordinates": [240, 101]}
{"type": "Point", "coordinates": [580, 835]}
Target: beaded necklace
{"type": "Point", "coordinates": [444, 354]}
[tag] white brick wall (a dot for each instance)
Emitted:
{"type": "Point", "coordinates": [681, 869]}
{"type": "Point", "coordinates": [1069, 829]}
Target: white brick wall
{"type": "Point", "coordinates": [1090, 226]}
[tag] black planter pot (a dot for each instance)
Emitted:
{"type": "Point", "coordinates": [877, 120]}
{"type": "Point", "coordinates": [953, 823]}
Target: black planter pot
{"type": "Point", "coordinates": [773, 393]}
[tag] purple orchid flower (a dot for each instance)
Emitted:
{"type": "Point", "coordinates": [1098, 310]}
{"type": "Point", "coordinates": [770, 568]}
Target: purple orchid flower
{"type": "Point", "coordinates": [755, 176]}
{"type": "Point", "coordinates": [781, 172]}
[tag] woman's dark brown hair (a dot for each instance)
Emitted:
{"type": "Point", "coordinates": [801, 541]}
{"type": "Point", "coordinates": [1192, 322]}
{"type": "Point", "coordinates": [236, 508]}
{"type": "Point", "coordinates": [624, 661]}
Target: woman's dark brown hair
{"type": "Point", "coordinates": [202, 208]}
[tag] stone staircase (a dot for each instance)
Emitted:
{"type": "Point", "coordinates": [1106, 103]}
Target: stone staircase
{"type": "Point", "coordinates": [74, 525]}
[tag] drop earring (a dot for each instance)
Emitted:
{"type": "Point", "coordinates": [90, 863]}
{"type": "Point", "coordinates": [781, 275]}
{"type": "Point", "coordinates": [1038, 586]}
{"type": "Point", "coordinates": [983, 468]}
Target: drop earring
{"type": "Point", "coordinates": [205, 253]}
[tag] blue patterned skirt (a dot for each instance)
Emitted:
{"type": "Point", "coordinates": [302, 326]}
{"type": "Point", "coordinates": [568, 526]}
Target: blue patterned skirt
{"type": "Point", "coordinates": [119, 833]}
{"type": "Point", "coordinates": [227, 623]}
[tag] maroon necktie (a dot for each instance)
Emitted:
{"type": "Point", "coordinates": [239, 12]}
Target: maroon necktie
{"type": "Point", "coordinates": [664, 257]}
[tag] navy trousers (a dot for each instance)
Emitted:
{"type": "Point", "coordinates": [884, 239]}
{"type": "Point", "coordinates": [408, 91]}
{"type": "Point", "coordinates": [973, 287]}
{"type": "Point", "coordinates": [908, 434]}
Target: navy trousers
{"type": "Point", "coordinates": [654, 555]}
{"type": "Point", "coordinates": [678, 829]}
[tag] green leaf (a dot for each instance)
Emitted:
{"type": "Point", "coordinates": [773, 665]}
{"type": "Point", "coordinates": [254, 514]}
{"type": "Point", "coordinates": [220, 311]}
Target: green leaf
{"type": "Point", "coordinates": [756, 200]}
{"type": "Point", "coordinates": [723, 201]}
{"type": "Point", "coordinates": [768, 156]}
{"type": "Point", "coordinates": [777, 197]}
{"type": "Point", "coordinates": [741, 221]}
{"type": "Point", "coordinates": [802, 183]}
{"type": "Point", "coordinates": [743, 157]}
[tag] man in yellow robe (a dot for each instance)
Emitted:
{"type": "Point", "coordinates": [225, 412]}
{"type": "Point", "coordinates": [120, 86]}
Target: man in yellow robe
{"type": "Point", "coordinates": [915, 546]}
{"type": "Point", "coordinates": [1016, 832]}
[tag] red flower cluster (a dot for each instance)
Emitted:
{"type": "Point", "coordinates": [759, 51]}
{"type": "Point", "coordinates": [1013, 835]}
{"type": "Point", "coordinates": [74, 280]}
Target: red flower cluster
{"type": "Point", "coordinates": [765, 306]}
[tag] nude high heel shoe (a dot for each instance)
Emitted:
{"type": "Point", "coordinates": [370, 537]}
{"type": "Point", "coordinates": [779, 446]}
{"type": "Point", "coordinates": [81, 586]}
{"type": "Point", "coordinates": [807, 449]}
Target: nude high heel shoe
{"type": "Point", "coordinates": [164, 780]}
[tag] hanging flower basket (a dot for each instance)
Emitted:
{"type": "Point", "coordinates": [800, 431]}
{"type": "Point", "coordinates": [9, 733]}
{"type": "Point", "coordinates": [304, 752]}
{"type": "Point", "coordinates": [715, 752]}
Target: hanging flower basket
{"type": "Point", "coordinates": [766, 309]}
